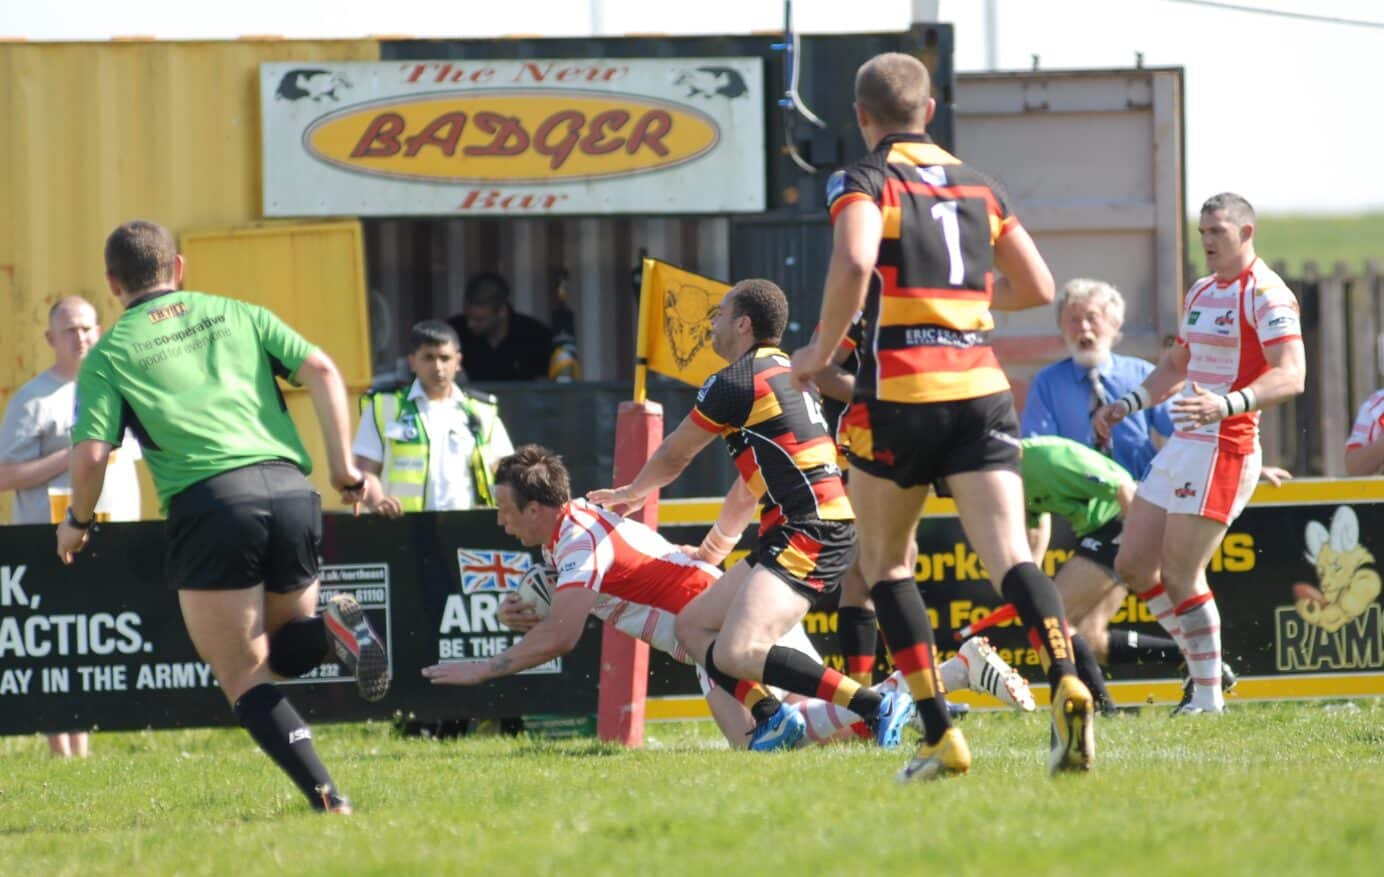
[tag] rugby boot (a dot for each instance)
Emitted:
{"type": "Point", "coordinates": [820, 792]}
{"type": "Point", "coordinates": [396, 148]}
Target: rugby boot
{"type": "Point", "coordinates": [357, 645]}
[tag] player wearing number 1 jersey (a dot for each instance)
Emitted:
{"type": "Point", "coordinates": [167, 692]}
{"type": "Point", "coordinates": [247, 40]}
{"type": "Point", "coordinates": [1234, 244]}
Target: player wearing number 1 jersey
{"type": "Point", "coordinates": [786, 457]}
{"type": "Point", "coordinates": [918, 237]}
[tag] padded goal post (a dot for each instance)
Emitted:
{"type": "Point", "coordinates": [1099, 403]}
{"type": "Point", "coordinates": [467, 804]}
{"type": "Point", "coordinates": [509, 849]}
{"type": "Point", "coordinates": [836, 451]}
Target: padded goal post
{"type": "Point", "coordinates": [676, 308]}
{"type": "Point", "coordinates": [624, 677]}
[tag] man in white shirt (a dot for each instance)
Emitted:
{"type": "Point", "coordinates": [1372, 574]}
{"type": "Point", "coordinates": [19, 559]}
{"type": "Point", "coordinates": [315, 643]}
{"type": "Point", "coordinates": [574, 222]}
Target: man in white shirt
{"type": "Point", "coordinates": [433, 447]}
{"type": "Point", "coordinates": [36, 442]}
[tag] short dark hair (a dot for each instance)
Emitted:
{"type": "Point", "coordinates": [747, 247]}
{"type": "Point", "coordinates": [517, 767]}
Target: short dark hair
{"type": "Point", "coordinates": [488, 289]}
{"type": "Point", "coordinates": [432, 332]}
{"type": "Point", "coordinates": [894, 89]}
{"type": "Point", "coordinates": [1237, 209]}
{"type": "Point", "coordinates": [535, 474]}
{"type": "Point", "coordinates": [764, 303]}
{"type": "Point", "coordinates": [140, 255]}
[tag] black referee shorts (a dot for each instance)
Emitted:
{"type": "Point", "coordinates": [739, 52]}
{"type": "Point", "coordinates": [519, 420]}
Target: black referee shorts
{"type": "Point", "coordinates": [258, 524]}
{"type": "Point", "coordinates": [1101, 546]}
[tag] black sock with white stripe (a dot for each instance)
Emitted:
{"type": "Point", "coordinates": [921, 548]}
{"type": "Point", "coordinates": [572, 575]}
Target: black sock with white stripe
{"type": "Point", "coordinates": [283, 735]}
{"type": "Point", "coordinates": [1133, 647]}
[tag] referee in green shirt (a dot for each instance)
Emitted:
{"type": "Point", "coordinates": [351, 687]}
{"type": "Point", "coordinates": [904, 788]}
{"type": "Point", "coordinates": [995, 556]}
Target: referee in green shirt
{"type": "Point", "coordinates": [193, 375]}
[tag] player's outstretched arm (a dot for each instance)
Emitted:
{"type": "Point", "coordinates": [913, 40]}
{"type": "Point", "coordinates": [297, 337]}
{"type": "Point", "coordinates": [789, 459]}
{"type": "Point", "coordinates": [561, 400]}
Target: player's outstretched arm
{"type": "Point", "coordinates": [554, 636]}
{"type": "Point", "coordinates": [666, 464]}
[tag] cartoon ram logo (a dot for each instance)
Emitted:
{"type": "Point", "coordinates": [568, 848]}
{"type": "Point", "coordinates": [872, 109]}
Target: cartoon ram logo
{"type": "Point", "coordinates": [1347, 582]}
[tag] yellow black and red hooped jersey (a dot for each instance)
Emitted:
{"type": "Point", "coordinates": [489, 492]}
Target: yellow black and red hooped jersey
{"type": "Point", "coordinates": [777, 436]}
{"type": "Point", "coordinates": [927, 319]}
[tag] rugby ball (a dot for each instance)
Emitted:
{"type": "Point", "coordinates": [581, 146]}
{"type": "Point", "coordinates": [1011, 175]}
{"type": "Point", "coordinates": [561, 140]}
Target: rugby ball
{"type": "Point", "coordinates": [536, 587]}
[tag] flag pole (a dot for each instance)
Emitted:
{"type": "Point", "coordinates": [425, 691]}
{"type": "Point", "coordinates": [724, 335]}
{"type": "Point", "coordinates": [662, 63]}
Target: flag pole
{"type": "Point", "coordinates": [641, 344]}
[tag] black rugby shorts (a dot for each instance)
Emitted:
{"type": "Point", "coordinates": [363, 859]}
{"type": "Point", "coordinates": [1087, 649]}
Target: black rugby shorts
{"type": "Point", "coordinates": [1101, 545]}
{"type": "Point", "coordinates": [258, 524]}
{"type": "Point", "coordinates": [810, 557]}
{"type": "Point", "coordinates": [913, 444]}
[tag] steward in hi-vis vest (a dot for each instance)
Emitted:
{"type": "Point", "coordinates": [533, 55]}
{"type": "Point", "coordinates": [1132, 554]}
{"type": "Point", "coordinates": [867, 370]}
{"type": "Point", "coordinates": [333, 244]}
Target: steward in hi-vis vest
{"type": "Point", "coordinates": [434, 445]}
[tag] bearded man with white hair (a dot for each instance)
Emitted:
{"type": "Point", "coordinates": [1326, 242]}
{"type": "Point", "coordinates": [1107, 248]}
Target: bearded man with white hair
{"type": "Point", "coordinates": [1090, 314]}
{"type": "Point", "coordinates": [1060, 403]}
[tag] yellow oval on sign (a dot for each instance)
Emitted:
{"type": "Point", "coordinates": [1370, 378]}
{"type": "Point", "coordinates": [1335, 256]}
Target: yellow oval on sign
{"type": "Point", "coordinates": [512, 136]}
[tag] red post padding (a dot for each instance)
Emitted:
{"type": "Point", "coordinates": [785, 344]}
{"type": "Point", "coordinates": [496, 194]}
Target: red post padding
{"type": "Point", "coordinates": [624, 680]}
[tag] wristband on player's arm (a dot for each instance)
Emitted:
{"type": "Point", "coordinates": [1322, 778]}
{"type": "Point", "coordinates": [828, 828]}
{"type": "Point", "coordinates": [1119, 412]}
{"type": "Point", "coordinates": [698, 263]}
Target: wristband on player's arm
{"type": "Point", "coordinates": [1136, 399]}
{"type": "Point", "coordinates": [717, 544]}
{"type": "Point", "coordinates": [1239, 401]}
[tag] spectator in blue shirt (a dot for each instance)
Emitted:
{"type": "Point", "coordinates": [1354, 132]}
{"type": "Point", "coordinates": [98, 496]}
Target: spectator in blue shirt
{"type": "Point", "coordinates": [1090, 314]}
{"type": "Point", "coordinates": [1060, 402]}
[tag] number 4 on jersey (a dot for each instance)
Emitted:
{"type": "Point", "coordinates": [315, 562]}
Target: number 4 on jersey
{"type": "Point", "coordinates": [814, 411]}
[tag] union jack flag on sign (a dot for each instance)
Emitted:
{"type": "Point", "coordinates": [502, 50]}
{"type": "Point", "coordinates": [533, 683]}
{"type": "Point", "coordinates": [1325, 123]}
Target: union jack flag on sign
{"type": "Point", "coordinates": [491, 572]}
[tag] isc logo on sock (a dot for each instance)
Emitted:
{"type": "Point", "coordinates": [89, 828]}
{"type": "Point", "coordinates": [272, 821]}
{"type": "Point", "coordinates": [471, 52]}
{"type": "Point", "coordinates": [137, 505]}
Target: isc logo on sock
{"type": "Point", "coordinates": [298, 734]}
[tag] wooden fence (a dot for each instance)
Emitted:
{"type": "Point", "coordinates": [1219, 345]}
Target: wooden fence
{"type": "Point", "coordinates": [1342, 320]}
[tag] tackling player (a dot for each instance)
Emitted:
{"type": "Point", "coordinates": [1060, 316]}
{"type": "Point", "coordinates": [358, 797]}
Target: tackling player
{"type": "Point", "coordinates": [781, 445]}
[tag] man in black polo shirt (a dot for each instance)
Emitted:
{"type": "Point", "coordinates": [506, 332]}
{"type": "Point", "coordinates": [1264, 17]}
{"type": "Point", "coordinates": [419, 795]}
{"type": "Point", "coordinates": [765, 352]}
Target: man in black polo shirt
{"type": "Point", "coordinates": [497, 343]}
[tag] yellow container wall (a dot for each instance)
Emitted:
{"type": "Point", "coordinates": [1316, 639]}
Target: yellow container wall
{"type": "Point", "coordinates": [311, 274]}
{"type": "Point", "coordinates": [99, 133]}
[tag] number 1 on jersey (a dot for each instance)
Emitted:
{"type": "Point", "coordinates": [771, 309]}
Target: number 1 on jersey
{"type": "Point", "coordinates": [945, 214]}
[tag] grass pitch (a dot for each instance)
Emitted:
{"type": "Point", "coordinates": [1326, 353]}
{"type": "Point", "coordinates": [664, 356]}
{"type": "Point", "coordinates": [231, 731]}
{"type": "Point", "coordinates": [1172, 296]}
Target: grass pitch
{"type": "Point", "coordinates": [1283, 788]}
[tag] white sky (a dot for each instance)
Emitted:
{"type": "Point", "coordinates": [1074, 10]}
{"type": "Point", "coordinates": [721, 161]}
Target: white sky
{"type": "Point", "coordinates": [1284, 111]}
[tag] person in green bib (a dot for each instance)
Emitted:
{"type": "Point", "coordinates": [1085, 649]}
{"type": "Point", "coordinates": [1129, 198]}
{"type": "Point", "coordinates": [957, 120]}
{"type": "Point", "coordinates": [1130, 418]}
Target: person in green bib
{"type": "Point", "coordinates": [1091, 491]}
{"type": "Point", "coordinates": [433, 446]}
{"type": "Point", "coordinates": [193, 376]}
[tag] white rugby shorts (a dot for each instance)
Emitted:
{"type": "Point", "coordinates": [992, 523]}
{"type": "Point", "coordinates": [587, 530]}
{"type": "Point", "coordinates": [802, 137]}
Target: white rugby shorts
{"type": "Point", "coordinates": [1190, 477]}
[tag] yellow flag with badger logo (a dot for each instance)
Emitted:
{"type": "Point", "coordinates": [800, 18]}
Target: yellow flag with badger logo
{"type": "Point", "coordinates": [676, 308]}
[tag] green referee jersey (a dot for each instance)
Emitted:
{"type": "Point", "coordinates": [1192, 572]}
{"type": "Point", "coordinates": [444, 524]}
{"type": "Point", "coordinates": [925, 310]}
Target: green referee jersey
{"type": "Point", "coordinates": [193, 376]}
{"type": "Point", "coordinates": [1066, 478]}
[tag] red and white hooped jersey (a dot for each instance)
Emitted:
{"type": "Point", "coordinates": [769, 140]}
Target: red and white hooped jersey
{"type": "Point", "coordinates": [1227, 324]}
{"type": "Point", "coordinates": [657, 627]}
{"type": "Point", "coordinates": [623, 559]}
{"type": "Point", "coordinates": [1369, 422]}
